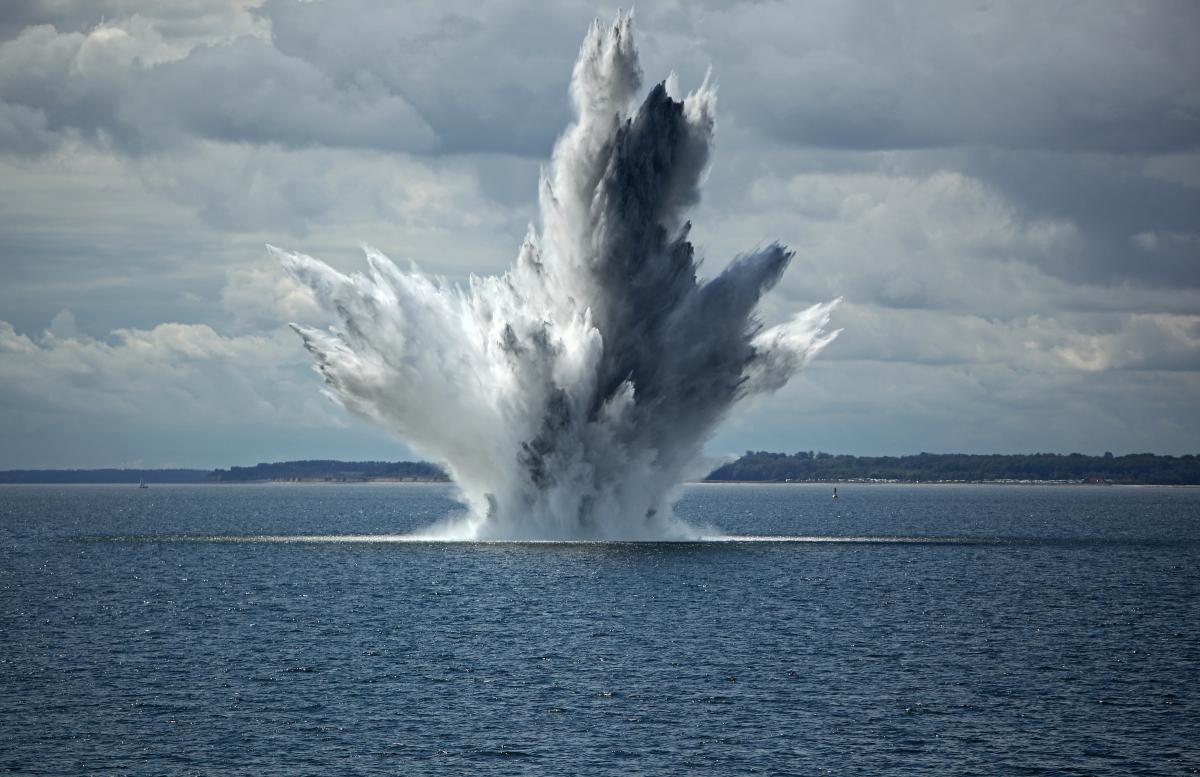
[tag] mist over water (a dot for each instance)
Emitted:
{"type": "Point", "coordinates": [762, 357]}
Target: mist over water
{"type": "Point", "coordinates": [569, 397]}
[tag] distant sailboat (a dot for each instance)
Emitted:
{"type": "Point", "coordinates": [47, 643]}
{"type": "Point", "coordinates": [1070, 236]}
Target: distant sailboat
{"type": "Point", "coordinates": [835, 492]}
{"type": "Point", "coordinates": [142, 484]}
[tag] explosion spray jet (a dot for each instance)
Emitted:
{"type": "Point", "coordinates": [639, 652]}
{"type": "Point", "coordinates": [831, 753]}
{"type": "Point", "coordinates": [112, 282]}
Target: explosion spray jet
{"type": "Point", "coordinates": [569, 397]}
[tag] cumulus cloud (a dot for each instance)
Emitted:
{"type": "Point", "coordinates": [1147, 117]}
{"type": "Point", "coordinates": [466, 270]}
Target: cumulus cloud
{"type": "Point", "coordinates": [1115, 77]}
{"type": "Point", "coordinates": [151, 374]}
{"type": "Point", "coordinates": [904, 408]}
{"type": "Point", "coordinates": [260, 296]}
{"type": "Point", "coordinates": [488, 78]}
{"type": "Point", "coordinates": [248, 91]}
{"type": "Point", "coordinates": [24, 130]}
{"type": "Point", "coordinates": [173, 394]}
{"type": "Point", "coordinates": [1050, 344]}
{"type": "Point", "coordinates": [1109, 197]}
{"type": "Point", "coordinates": [941, 240]}
{"type": "Point", "coordinates": [1004, 194]}
{"type": "Point", "coordinates": [187, 21]}
{"type": "Point", "coordinates": [1142, 342]}
{"type": "Point", "coordinates": [72, 82]}
{"type": "Point", "coordinates": [356, 75]}
{"type": "Point", "coordinates": [267, 189]}
{"type": "Point", "coordinates": [122, 85]}
{"type": "Point", "coordinates": [369, 73]}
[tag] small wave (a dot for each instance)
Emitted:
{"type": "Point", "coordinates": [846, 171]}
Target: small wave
{"type": "Point", "coordinates": [866, 539]}
{"type": "Point", "coordinates": [716, 539]}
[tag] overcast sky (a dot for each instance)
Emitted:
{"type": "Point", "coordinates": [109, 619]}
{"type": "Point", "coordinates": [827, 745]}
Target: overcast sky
{"type": "Point", "coordinates": [1007, 195]}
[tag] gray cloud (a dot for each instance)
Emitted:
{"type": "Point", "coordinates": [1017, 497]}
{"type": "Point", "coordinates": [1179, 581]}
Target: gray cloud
{"type": "Point", "coordinates": [1064, 76]}
{"type": "Point", "coordinates": [368, 74]}
{"type": "Point", "coordinates": [1118, 78]}
{"type": "Point", "coordinates": [181, 19]}
{"type": "Point", "coordinates": [100, 85]}
{"type": "Point", "coordinates": [1006, 195]}
{"type": "Point", "coordinates": [71, 82]}
{"type": "Point", "coordinates": [165, 378]}
{"type": "Point", "coordinates": [487, 79]}
{"type": "Point", "coordinates": [24, 130]}
{"type": "Point", "coordinates": [1111, 198]}
{"type": "Point", "coordinates": [871, 408]}
{"type": "Point", "coordinates": [1059, 344]}
{"type": "Point", "coordinates": [250, 92]}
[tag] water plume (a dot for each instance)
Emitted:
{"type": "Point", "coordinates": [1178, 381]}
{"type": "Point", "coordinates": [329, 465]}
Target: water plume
{"type": "Point", "coordinates": [569, 397]}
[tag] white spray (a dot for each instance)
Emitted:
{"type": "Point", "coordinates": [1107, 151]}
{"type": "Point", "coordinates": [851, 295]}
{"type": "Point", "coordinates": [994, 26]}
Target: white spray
{"type": "Point", "coordinates": [570, 396]}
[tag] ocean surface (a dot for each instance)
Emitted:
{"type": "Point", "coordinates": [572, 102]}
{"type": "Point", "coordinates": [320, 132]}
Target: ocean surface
{"type": "Point", "coordinates": [915, 630]}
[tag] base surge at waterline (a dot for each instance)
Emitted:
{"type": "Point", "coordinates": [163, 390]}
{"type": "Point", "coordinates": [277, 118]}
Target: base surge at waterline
{"type": "Point", "coordinates": [570, 397]}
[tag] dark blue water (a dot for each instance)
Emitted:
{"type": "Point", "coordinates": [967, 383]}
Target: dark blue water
{"type": "Point", "coordinates": [1030, 630]}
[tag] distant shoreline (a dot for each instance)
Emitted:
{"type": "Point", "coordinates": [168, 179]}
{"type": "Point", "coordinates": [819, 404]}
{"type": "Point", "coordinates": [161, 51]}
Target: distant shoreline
{"type": "Point", "coordinates": [935, 483]}
{"type": "Point", "coordinates": [386, 482]}
{"type": "Point", "coordinates": [754, 467]}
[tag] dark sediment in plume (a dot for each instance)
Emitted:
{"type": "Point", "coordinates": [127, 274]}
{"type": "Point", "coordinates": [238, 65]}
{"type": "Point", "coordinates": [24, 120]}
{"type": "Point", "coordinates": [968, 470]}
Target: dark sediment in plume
{"type": "Point", "coordinates": [569, 397]}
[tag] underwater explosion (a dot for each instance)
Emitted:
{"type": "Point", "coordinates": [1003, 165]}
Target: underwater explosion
{"type": "Point", "coordinates": [569, 397]}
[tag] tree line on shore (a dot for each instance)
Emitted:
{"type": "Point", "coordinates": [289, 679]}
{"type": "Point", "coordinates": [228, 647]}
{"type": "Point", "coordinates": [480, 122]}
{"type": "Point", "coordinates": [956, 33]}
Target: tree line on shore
{"type": "Point", "coordinates": [1134, 468]}
{"type": "Point", "coordinates": [331, 470]}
